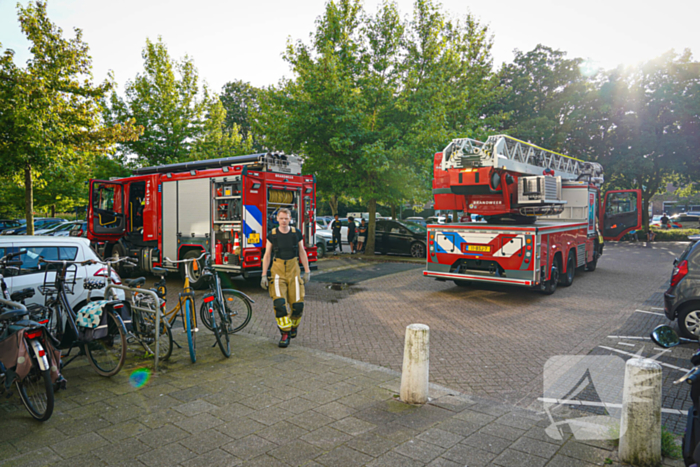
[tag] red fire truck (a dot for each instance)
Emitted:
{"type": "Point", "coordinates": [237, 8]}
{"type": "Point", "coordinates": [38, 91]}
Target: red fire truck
{"type": "Point", "coordinates": [224, 206]}
{"type": "Point", "coordinates": [543, 214]}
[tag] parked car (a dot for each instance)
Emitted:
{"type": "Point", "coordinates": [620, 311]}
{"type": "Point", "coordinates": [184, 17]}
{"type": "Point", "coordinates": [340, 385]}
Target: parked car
{"type": "Point", "coordinates": [78, 230]}
{"type": "Point", "coordinates": [53, 229]}
{"type": "Point", "coordinates": [685, 221]}
{"type": "Point", "coordinates": [417, 220]}
{"type": "Point", "coordinates": [33, 274]}
{"type": "Point", "coordinates": [8, 224]}
{"type": "Point", "coordinates": [682, 299]}
{"type": "Point", "coordinates": [39, 224]}
{"type": "Point", "coordinates": [324, 222]}
{"type": "Point", "coordinates": [436, 220]}
{"type": "Point", "coordinates": [324, 241]}
{"type": "Point", "coordinates": [400, 237]}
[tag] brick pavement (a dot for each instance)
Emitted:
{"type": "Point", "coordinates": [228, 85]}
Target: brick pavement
{"type": "Point", "coordinates": [305, 406]}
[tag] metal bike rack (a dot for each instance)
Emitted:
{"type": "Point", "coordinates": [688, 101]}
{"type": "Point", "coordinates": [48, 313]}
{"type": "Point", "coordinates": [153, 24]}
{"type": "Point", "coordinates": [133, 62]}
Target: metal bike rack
{"type": "Point", "coordinates": [157, 301]}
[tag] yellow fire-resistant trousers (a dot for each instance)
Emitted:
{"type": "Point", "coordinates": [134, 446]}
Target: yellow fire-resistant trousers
{"type": "Point", "coordinates": [287, 287]}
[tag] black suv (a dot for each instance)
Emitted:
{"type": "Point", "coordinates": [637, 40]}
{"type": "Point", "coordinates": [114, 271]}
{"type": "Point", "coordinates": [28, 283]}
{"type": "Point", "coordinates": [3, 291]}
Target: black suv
{"type": "Point", "coordinates": [682, 299]}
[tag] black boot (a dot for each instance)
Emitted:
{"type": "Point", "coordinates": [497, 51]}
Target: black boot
{"type": "Point", "coordinates": [293, 333]}
{"type": "Point", "coordinates": [284, 340]}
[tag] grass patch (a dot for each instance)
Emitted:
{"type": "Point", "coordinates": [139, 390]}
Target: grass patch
{"type": "Point", "coordinates": [669, 447]}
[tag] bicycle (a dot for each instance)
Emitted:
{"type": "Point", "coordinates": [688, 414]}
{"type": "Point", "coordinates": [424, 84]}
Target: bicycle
{"type": "Point", "coordinates": [104, 345]}
{"type": "Point", "coordinates": [229, 304]}
{"type": "Point", "coordinates": [31, 373]}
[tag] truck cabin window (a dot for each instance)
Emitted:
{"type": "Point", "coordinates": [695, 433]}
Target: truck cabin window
{"type": "Point", "coordinates": [620, 203]}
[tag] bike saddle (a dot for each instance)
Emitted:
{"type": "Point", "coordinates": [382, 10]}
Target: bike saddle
{"type": "Point", "coordinates": [134, 282]}
{"type": "Point", "coordinates": [162, 272]}
{"type": "Point", "coordinates": [12, 315]}
{"type": "Point", "coordinates": [22, 294]}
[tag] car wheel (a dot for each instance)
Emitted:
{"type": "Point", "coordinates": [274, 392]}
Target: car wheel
{"type": "Point", "coordinates": [321, 249]}
{"type": "Point", "coordinates": [567, 278]}
{"type": "Point", "coordinates": [689, 322]}
{"type": "Point", "coordinates": [418, 250]}
{"type": "Point", "coordinates": [119, 251]}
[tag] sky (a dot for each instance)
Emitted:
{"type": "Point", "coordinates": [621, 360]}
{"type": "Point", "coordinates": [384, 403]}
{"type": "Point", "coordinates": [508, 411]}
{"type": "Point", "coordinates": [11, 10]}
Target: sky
{"type": "Point", "coordinates": [244, 40]}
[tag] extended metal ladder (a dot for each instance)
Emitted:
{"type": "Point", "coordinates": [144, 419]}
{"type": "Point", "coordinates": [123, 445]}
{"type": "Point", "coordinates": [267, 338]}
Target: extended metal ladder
{"type": "Point", "coordinates": [502, 151]}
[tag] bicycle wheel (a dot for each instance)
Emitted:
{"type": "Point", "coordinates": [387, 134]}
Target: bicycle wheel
{"type": "Point", "coordinates": [238, 310]}
{"type": "Point", "coordinates": [219, 325]}
{"type": "Point", "coordinates": [107, 355]}
{"type": "Point", "coordinates": [165, 342]}
{"type": "Point", "coordinates": [190, 325]}
{"type": "Point", "coordinates": [204, 316]}
{"type": "Point", "coordinates": [36, 392]}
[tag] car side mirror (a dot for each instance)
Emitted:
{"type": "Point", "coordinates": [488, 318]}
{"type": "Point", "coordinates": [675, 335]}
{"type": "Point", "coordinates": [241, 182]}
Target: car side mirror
{"type": "Point", "coordinates": [664, 336]}
{"type": "Point", "coordinates": [675, 262]}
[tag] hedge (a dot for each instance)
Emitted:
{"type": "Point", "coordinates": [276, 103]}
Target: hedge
{"type": "Point", "coordinates": [673, 235]}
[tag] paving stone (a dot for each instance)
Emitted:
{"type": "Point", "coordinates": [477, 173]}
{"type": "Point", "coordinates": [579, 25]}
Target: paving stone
{"type": "Point", "coordinates": [123, 453]}
{"type": "Point", "coordinates": [240, 428]}
{"type": "Point", "coordinates": [266, 461]}
{"type": "Point", "coordinates": [475, 418]}
{"type": "Point", "coordinates": [540, 435]}
{"type": "Point", "coordinates": [440, 437]}
{"type": "Point", "coordinates": [38, 439]}
{"type": "Point", "coordinates": [487, 443]}
{"type": "Point", "coordinates": [215, 458]}
{"type": "Point", "coordinates": [198, 423]}
{"type": "Point", "coordinates": [163, 435]}
{"type": "Point", "coordinates": [516, 421]}
{"type": "Point", "coordinates": [320, 396]}
{"type": "Point", "coordinates": [79, 445]}
{"type": "Point", "coordinates": [467, 455]}
{"type": "Point", "coordinates": [501, 431]}
{"type": "Point", "coordinates": [326, 438]}
{"type": "Point", "coordinates": [7, 450]}
{"type": "Point", "coordinates": [564, 461]}
{"type": "Point", "coordinates": [353, 426]}
{"type": "Point", "coordinates": [371, 444]}
{"type": "Point", "coordinates": [270, 415]}
{"type": "Point", "coordinates": [159, 418]}
{"type": "Point", "coordinates": [120, 412]}
{"type": "Point", "coordinates": [282, 433]}
{"type": "Point", "coordinates": [582, 452]}
{"type": "Point", "coordinates": [343, 456]}
{"type": "Point", "coordinates": [419, 450]}
{"type": "Point", "coordinates": [376, 414]}
{"type": "Point", "coordinates": [458, 427]}
{"type": "Point", "coordinates": [335, 410]}
{"type": "Point", "coordinates": [261, 401]}
{"type": "Point", "coordinates": [535, 448]}
{"type": "Point", "coordinates": [167, 455]}
{"type": "Point", "coordinates": [452, 403]}
{"type": "Point", "coordinates": [233, 411]}
{"type": "Point", "coordinates": [296, 453]}
{"type": "Point", "coordinates": [84, 426]}
{"type": "Point", "coordinates": [123, 430]}
{"type": "Point", "coordinates": [512, 458]}
{"type": "Point", "coordinates": [248, 447]}
{"type": "Point", "coordinates": [395, 432]}
{"type": "Point", "coordinates": [82, 460]}
{"type": "Point", "coordinates": [203, 442]}
{"type": "Point", "coordinates": [195, 407]}
{"type": "Point", "coordinates": [442, 462]}
{"type": "Point", "coordinates": [392, 459]}
{"type": "Point", "coordinates": [300, 405]}
{"type": "Point", "coordinates": [424, 418]}
{"type": "Point", "coordinates": [39, 457]}
{"type": "Point", "coordinates": [310, 420]}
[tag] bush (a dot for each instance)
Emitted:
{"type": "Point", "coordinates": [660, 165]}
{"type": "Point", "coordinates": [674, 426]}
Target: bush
{"type": "Point", "coordinates": [674, 235]}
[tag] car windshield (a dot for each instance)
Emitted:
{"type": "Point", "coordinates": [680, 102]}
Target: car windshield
{"type": "Point", "coordinates": [415, 228]}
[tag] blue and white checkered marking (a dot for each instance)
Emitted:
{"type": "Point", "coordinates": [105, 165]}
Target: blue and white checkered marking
{"type": "Point", "coordinates": [89, 316]}
{"type": "Point", "coordinates": [252, 223]}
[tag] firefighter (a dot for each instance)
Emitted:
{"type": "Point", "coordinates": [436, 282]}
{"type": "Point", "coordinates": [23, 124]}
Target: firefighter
{"type": "Point", "coordinates": [287, 287]}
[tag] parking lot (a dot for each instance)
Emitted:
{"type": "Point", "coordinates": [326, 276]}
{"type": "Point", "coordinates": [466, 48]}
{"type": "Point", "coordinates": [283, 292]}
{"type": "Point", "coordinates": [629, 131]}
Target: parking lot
{"type": "Point", "coordinates": [489, 341]}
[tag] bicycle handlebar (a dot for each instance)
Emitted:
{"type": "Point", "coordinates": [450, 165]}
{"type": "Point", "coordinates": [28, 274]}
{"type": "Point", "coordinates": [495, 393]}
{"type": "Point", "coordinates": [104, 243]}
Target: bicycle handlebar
{"type": "Point", "coordinates": [87, 262]}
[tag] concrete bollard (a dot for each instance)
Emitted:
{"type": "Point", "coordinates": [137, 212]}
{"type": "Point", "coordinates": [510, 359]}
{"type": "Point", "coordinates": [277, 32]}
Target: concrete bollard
{"type": "Point", "coordinates": [416, 355]}
{"type": "Point", "coordinates": [640, 427]}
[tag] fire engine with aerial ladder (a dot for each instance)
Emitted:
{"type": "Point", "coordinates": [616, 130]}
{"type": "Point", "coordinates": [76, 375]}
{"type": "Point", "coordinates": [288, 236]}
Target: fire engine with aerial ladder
{"type": "Point", "coordinates": [543, 211]}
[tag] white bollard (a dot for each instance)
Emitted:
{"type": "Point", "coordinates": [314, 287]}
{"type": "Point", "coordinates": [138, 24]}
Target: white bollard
{"type": "Point", "coordinates": [416, 354]}
{"type": "Point", "coordinates": [640, 427]}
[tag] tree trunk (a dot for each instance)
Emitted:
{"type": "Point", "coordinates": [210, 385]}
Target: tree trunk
{"type": "Point", "coordinates": [393, 212]}
{"type": "Point", "coordinates": [333, 203]}
{"type": "Point", "coordinates": [53, 210]}
{"type": "Point", "coordinates": [29, 199]}
{"type": "Point", "coordinates": [372, 206]}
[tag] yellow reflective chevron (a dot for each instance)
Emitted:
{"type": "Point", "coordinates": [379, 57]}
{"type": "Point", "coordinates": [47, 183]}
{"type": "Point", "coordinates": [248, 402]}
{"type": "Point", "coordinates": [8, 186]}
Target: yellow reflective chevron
{"type": "Point", "coordinates": [284, 323]}
{"type": "Point", "coordinates": [295, 322]}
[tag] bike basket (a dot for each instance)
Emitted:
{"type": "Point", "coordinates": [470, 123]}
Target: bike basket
{"type": "Point", "coordinates": [54, 275]}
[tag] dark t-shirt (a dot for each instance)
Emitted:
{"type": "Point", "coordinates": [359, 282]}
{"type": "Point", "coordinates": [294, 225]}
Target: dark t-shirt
{"type": "Point", "coordinates": [351, 229]}
{"type": "Point", "coordinates": [286, 243]}
{"type": "Point", "coordinates": [336, 225]}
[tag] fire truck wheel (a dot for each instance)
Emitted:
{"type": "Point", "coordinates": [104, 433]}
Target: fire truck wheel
{"type": "Point", "coordinates": [196, 279]}
{"type": "Point", "coordinates": [418, 250]}
{"type": "Point", "coordinates": [567, 278]}
{"type": "Point", "coordinates": [461, 283]}
{"type": "Point", "coordinates": [592, 265]}
{"type": "Point", "coordinates": [550, 286]}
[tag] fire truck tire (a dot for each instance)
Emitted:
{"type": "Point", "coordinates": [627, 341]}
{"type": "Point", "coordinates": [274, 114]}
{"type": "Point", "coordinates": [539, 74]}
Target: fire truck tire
{"type": "Point", "coordinates": [197, 281]}
{"type": "Point", "coordinates": [550, 286]}
{"type": "Point", "coordinates": [592, 265]}
{"type": "Point", "coordinates": [460, 283]}
{"type": "Point", "coordinates": [567, 278]}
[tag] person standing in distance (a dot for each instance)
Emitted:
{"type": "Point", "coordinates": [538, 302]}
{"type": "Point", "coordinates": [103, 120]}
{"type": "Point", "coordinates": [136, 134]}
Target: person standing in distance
{"type": "Point", "coordinates": [287, 285]}
{"type": "Point", "coordinates": [335, 227]}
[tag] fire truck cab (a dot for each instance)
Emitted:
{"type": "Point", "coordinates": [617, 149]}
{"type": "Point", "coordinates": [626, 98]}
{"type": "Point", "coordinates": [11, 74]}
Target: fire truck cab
{"type": "Point", "coordinates": [223, 206]}
{"type": "Point", "coordinates": [545, 218]}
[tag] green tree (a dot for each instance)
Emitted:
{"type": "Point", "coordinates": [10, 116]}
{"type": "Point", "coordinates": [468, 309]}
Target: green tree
{"type": "Point", "coordinates": [650, 126]}
{"type": "Point", "coordinates": [50, 110]}
{"type": "Point", "coordinates": [166, 100]}
{"type": "Point", "coordinates": [216, 140]}
{"type": "Point", "coordinates": [373, 97]}
{"type": "Point", "coordinates": [240, 100]}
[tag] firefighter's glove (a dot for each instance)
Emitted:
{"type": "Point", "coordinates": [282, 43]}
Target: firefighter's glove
{"type": "Point", "coordinates": [307, 277]}
{"type": "Point", "coordinates": [264, 282]}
